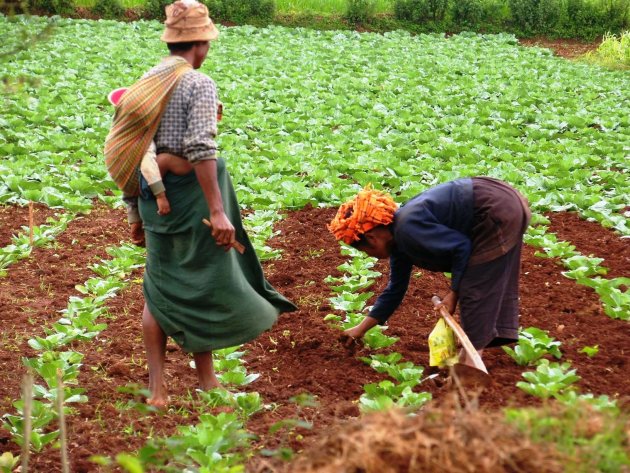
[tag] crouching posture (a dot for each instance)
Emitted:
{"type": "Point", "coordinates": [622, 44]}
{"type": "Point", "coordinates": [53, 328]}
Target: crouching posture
{"type": "Point", "coordinates": [472, 228]}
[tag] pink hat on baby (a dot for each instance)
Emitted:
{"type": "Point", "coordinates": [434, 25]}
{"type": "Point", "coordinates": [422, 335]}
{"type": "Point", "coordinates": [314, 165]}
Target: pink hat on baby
{"type": "Point", "coordinates": [115, 95]}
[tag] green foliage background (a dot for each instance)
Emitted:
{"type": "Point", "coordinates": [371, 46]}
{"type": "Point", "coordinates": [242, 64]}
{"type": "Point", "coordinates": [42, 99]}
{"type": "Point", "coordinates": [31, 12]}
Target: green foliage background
{"type": "Point", "coordinates": [312, 116]}
{"type": "Point", "coordinates": [585, 19]}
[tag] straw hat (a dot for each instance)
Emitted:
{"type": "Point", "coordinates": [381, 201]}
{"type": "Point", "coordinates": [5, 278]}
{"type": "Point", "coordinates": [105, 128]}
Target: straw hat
{"type": "Point", "coordinates": [186, 21]}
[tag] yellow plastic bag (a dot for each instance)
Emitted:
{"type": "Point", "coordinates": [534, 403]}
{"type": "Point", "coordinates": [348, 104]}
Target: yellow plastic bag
{"type": "Point", "coordinates": [442, 345]}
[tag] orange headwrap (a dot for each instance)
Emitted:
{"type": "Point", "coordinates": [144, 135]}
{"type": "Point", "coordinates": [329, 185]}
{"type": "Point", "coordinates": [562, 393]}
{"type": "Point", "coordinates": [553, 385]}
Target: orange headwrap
{"type": "Point", "coordinates": [367, 210]}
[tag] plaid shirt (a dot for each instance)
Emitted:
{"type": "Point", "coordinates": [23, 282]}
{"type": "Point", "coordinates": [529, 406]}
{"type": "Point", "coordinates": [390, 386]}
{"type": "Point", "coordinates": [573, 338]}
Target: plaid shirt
{"type": "Point", "coordinates": [189, 125]}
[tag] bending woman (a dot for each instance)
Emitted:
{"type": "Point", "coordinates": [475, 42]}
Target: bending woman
{"type": "Point", "coordinates": [472, 228]}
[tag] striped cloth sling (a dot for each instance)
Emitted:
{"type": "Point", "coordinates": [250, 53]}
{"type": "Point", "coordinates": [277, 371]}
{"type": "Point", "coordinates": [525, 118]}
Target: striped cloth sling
{"type": "Point", "coordinates": [136, 121]}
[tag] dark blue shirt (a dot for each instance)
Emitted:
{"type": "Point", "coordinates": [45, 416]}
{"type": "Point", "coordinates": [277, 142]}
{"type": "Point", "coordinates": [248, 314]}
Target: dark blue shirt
{"type": "Point", "coordinates": [431, 231]}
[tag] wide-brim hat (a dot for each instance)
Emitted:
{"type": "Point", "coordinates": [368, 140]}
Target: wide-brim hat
{"type": "Point", "coordinates": [187, 21]}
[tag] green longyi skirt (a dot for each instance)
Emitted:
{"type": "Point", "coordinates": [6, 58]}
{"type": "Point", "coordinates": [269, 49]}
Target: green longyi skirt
{"type": "Point", "coordinates": [200, 295]}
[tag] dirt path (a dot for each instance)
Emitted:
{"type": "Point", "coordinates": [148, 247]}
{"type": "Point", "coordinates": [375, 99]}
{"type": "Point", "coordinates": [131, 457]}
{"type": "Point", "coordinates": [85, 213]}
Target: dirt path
{"type": "Point", "coordinates": [566, 48]}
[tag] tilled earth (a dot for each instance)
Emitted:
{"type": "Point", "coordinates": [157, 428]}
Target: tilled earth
{"type": "Point", "coordinates": [301, 353]}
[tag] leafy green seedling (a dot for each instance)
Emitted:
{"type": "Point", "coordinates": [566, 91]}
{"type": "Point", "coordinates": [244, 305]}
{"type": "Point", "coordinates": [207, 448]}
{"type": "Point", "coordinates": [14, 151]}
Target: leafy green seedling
{"type": "Point", "coordinates": [350, 302]}
{"type": "Point", "coordinates": [386, 394]}
{"type": "Point", "coordinates": [248, 403]}
{"type": "Point", "coordinates": [136, 403]}
{"type": "Point", "coordinates": [557, 249]}
{"type": "Point", "coordinates": [581, 267]}
{"type": "Point", "coordinates": [349, 283]}
{"type": "Point", "coordinates": [130, 463]}
{"type": "Point", "coordinates": [237, 377]}
{"type": "Point", "coordinates": [376, 339]}
{"type": "Point", "coordinates": [8, 462]}
{"type": "Point", "coordinates": [304, 400]}
{"type": "Point", "coordinates": [216, 397]}
{"type": "Point", "coordinates": [590, 351]}
{"type": "Point", "coordinates": [549, 379]}
{"type": "Point", "coordinates": [211, 443]}
{"type": "Point", "coordinates": [616, 302]}
{"type": "Point", "coordinates": [600, 403]}
{"type": "Point", "coordinates": [533, 344]}
{"type": "Point", "coordinates": [42, 413]}
{"type": "Point", "coordinates": [259, 225]}
{"type": "Point", "coordinates": [402, 372]}
{"type": "Point", "coordinates": [287, 426]}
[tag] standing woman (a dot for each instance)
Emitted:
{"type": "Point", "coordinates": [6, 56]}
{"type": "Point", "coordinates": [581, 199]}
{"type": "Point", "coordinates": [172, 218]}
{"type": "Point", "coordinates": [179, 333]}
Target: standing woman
{"type": "Point", "coordinates": [197, 289]}
{"type": "Point", "coordinates": [472, 228]}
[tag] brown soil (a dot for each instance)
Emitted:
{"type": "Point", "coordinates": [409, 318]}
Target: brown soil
{"type": "Point", "coordinates": [566, 48]}
{"type": "Point", "coordinates": [16, 220]}
{"type": "Point", "coordinates": [301, 353]}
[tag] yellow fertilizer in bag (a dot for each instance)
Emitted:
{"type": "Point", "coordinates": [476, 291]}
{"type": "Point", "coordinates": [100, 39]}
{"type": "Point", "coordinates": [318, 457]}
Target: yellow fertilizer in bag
{"type": "Point", "coordinates": [442, 346]}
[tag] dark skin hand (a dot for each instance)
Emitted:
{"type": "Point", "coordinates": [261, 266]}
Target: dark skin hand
{"type": "Point", "coordinates": [449, 301]}
{"type": "Point", "coordinates": [378, 244]}
{"type": "Point", "coordinates": [351, 337]}
{"type": "Point", "coordinates": [137, 234]}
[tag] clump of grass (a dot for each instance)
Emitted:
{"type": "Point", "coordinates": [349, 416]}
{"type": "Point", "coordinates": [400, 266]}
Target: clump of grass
{"type": "Point", "coordinates": [591, 433]}
{"type": "Point", "coordinates": [614, 52]}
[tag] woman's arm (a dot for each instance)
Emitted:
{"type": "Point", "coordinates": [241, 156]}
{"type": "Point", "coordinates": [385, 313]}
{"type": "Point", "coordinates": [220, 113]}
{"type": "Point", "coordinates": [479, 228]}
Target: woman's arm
{"type": "Point", "coordinates": [400, 267]}
{"type": "Point", "coordinates": [222, 228]}
{"type": "Point", "coordinates": [387, 302]}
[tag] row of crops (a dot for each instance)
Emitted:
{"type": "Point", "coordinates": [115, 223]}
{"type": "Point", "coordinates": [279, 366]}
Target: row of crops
{"type": "Point", "coordinates": [310, 118]}
{"type": "Point", "coordinates": [342, 108]}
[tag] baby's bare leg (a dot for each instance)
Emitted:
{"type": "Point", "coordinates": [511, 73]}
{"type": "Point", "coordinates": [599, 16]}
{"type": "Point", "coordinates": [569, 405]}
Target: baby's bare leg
{"type": "Point", "coordinates": [174, 164]}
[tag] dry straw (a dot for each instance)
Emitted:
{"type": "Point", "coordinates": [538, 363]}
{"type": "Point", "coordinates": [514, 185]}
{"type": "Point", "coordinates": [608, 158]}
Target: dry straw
{"type": "Point", "coordinates": [442, 439]}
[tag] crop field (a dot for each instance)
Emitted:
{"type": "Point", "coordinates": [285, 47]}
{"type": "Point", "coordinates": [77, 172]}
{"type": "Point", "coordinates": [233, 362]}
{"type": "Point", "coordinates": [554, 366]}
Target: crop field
{"type": "Point", "coordinates": [310, 117]}
{"type": "Point", "coordinates": [319, 6]}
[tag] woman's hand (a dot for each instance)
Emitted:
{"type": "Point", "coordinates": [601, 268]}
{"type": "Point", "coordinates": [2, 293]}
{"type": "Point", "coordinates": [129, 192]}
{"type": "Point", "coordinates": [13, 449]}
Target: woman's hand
{"type": "Point", "coordinates": [222, 230]}
{"type": "Point", "coordinates": [164, 206]}
{"type": "Point", "coordinates": [352, 336]}
{"type": "Point", "coordinates": [450, 302]}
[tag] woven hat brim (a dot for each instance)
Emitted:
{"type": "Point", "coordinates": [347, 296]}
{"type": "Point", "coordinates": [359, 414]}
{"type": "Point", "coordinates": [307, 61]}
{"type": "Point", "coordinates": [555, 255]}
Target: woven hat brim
{"type": "Point", "coordinates": [176, 35]}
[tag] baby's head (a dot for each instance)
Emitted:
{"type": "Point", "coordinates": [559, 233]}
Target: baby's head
{"type": "Point", "coordinates": [115, 95]}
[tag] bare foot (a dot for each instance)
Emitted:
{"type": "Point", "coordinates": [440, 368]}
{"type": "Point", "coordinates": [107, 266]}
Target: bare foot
{"type": "Point", "coordinates": [159, 397]}
{"type": "Point", "coordinates": [158, 402]}
{"type": "Point", "coordinates": [205, 371]}
{"type": "Point", "coordinates": [210, 384]}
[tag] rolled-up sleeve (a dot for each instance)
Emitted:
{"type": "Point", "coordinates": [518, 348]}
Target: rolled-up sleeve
{"type": "Point", "coordinates": [199, 138]}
